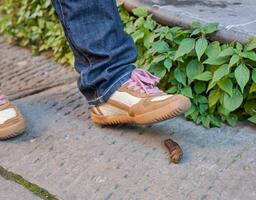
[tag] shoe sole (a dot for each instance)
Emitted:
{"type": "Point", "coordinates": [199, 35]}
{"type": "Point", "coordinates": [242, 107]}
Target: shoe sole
{"type": "Point", "coordinates": [158, 115]}
{"type": "Point", "coordinates": [13, 131]}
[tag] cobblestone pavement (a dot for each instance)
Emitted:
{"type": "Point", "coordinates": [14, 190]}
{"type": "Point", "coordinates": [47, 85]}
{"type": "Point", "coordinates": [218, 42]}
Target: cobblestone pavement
{"type": "Point", "coordinates": [63, 152]}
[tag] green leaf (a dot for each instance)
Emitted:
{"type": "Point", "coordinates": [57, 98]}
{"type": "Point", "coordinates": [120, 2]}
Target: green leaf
{"type": "Point", "coordinates": [226, 85]}
{"type": "Point", "coordinates": [158, 70]}
{"type": "Point", "coordinates": [200, 87]}
{"type": "Point", "coordinates": [180, 76]}
{"type": "Point", "coordinates": [168, 63]}
{"type": "Point", "coordinates": [215, 121]}
{"type": "Point", "coordinates": [226, 52]}
{"type": "Point", "coordinates": [190, 111]}
{"type": "Point", "coordinates": [205, 76]}
{"type": "Point", "coordinates": [211, 28]}
{"type": "Point", "coordinates": [250, 55]}
{"type": "Point", "coordinates": [233, 102]}
{"type": "Point", "coordinates": [250, 45]}
{"type": "Point", "coordinates": [253, 88]}
{"type": "Point", "coordinates": [196, 24]}
{"type": "Point", "coordinates": [242, 74]}
{"type": "Point", "coordinates": [213, 49]}
{"type": "Point", "coordinates": [193, 69]}
{"type": "Point", "coordinates": [201, 46]}
{"type": "Point", "coordinates": [161, 46]}
{"type": "Point", "coordinates": [239, 47]}
{"type": "Point", "coordinates": [253, 119]}
{"type": "Point", "coordinates": [172, 90]}
{"type": "Point", "coordinates": [140, 12]}
{"type": "Point", "coordinates": [232, 120]}
{"type": "Point", "coordinates": [214, 97]}
{"type": "Point", "coordinates": [220, 72]}
{"type": "Point", "coordinates": [186, 46]}
{"type": "Point", "coordinates": [137, 35]}
{"type": "Point", "coordinates": [234, 60]}
{"type": "Point", "coordinates": [254, 75]}
{"type": "Point", "coordinates": [203, 107]}
{"type": "Point", "coordinates": [202, 99]}
{"type": "Point", "coordinates": [250, 107]}
{"type": "Point", "coordinates": [187, 91]}
{"type": "Point", "coordinates": [206, 121]}
{"type": "Point", "coordinates": [216, 60]}
{"type": "Point", "coordinates": [149, 39]}
{"type": "Point", "coordinates": [158, 59]}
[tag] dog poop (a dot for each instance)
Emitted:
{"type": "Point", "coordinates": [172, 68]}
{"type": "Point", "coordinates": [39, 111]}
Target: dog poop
{"type": "Point", "coordinates": [174, 149]}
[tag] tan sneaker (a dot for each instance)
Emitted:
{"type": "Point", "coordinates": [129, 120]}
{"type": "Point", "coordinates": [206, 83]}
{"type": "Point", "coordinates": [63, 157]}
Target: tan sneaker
{"type": "Point", "coordinates": [11, 121]}
{"type": "Point", "coordinates": [139, 101]}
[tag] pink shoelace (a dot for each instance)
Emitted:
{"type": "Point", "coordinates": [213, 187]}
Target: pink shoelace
{"type": "Point", "coordinates": [3, 99]}
{"type": "Point", "coordinates": [144, 82]}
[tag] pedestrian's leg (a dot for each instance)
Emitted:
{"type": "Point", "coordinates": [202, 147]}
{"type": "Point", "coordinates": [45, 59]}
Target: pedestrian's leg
{"type": "Point", "coordinates": [104, 56]}
{"type": "Point", "coordinates": [104, 53]}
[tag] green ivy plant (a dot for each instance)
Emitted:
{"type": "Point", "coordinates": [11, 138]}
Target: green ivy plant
{"type": "Point", "coordinates": [220, 79]}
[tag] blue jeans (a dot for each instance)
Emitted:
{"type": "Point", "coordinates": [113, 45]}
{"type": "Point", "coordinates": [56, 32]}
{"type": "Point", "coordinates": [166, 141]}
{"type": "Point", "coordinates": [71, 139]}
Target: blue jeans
{"type": "Point", "coordinates": [104, 53]}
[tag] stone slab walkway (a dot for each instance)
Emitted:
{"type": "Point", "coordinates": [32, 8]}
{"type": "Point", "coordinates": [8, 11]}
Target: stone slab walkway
{"type": "Point", "coordinates": [12, 191]}
{"type": "Point", "coordinates": [63, 152]}
{"type": "Point", "coordinates": [236, 18]}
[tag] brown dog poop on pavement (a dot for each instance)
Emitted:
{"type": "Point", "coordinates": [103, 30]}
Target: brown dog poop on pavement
{"type": "Point", "coordinates": [174, 149]}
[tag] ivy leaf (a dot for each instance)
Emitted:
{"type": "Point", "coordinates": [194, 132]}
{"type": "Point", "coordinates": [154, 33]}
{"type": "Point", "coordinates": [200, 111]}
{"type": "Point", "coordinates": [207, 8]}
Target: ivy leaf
{"type": "Point", "coordinates": [149, 39]}
{"type": "Point", "coordinates": [214, 97]}
{"type": "Point", "coordinates": [187, 91]}
{"type": "Point", "coordinates": [215, 61]}
{"type": "Point", "coordinates": [137, 35]}
{"type": "Point", "coordinates": [200, 87]}
{"type": "Point", "coordinates": [140, 12]}
{"type": "Point", "coordinates": [250, 107]}
{"type": "Point", "coordinates": [220, 72]}
{"type": "Point", "coordinates": [161, 46]}
{"type": "Point", "coordinates": [190, 111]}
{"type": "Point", "coordinates": [233, 102]}
{"type": "Point", "coordinates": [253, 119]}
{"type": "Point", "coordinates": [205, 76]}
{"type": "Point", "coordinates": [168, 63]}
{"type": "Point", "coordinates": [211, 28]}
{"type": "Point", "coordinates": [172, 90]}
{"type": "Point", "coordinates": [193, 69]}
{"type": "Point", "coordinates": [158, 59]}
{"type": "Point", "coordinates": [186, 46]}
{"type": "Point", "coordinates": [254, 75]}
{"type": "Point", "coordinates": [232, 120]}
{"type": "Point", "coordinates": [250, 55]}
{"type": "Point", "coordinates": [158, 70]}
{"type": "Point", "coordinates": [180, 76]}
{"type": "Point", "coordinates": [213, 49]}
{"type": "Point", "coordinates": [250, 45]}
{"type": "Point", "coordinates": [215, 121]}
{"type": "Point", "coordinates": [226, 52]}
{"type": "Point", "coordinates": [242, 74]}
{"type": "Point", "coordinates": [201, 46]}
{"type": "Point", "coordinates": [226, 85]}
{"type": "Point", "coordinates": [253, 88]}
{"type": "Point", "coordinates": [234, 60]}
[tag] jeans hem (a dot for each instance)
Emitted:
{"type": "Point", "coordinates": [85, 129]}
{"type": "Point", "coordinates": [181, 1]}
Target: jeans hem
{"type": "Point", "coordinates": [108, 93]}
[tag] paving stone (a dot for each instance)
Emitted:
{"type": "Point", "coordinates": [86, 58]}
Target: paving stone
{"type": "Point", "coordinates": [63, 152]}
{"type": "Point", "coordinates": [236, 18]}
{"type": "Point", "coordinates": [12, 191]}
{"type": "Point", "coordinates": [23, 74]}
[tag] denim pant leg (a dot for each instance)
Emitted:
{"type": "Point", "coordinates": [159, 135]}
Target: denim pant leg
{"type": "Point", "coordinates": [104, 53]}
